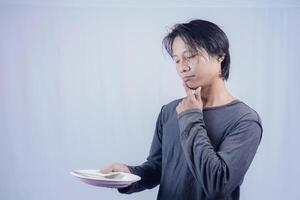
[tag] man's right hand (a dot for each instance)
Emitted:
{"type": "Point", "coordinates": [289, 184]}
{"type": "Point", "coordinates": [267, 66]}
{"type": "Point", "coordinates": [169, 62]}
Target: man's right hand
{"type": "Point", "coordinates": [115, 167]}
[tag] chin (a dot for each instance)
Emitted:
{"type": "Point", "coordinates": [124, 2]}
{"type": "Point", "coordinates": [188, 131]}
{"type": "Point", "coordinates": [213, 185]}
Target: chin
{"type": "Point", "coordinates": [193, 86]}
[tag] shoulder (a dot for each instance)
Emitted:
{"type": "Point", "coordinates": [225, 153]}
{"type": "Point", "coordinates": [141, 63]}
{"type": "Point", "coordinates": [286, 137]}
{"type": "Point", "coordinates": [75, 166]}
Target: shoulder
{"type": "Point", "coordinates": [234, 114]}
{"type": "Point", "coordinates": [248, 118]}
{"type": "Point", "coordinates": [168, 110]}
{"type": "Point", "coordinates": [247, 113]}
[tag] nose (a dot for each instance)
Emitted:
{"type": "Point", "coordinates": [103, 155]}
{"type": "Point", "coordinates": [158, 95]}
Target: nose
{"type": "Point", "coordinates": [183, 67]}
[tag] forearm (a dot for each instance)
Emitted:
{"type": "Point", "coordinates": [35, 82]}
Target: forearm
{"type": "Point", "coordinates": [218, 171]}
{"type": "Point", "coordinates": [150, 177]}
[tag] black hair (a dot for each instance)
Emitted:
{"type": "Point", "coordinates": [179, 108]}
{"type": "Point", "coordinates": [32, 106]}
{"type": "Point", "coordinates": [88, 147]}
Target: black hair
{"type": "Point", "coordinates": [201, 34]}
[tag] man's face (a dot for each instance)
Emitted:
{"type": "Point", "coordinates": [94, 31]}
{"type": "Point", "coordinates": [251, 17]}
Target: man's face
{"type": "Point", "coordinates": [195, 69]}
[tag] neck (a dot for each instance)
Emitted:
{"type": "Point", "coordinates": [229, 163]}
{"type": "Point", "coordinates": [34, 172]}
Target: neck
{"type": "Point", "coordinates": [215, 94]}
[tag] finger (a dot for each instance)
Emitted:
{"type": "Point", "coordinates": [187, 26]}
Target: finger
{"type": "Point", "coordinates": [198, 93]}
{"type": "Point", "coordinates": [107, 169]}
{"type": "Point", "coordinates": [189, 92]}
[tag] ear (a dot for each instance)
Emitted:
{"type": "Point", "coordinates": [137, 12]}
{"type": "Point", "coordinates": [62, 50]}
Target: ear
{"type": "Point", "coordinates": [221, 57]}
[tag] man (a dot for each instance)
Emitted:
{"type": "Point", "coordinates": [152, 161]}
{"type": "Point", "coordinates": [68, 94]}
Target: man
{"type": "Point", "coordinates": [204, 143]}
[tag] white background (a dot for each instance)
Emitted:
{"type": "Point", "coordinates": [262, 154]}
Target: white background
{"type": "Point", "coordinates": [82, 83]}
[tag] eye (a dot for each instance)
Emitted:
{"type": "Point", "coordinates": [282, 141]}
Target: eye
{"type": "Point", "coordinates": [192, 56]}
{"type": "Point", "coordinates": [176, 61]}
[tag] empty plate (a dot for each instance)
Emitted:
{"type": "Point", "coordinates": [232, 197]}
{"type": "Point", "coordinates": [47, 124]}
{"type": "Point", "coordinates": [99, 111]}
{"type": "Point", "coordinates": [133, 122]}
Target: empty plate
{"type": "Point", "coordinates": [110, 180]}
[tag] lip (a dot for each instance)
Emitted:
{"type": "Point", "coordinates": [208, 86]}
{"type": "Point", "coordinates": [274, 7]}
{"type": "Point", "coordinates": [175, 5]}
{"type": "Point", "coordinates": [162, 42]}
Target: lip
{"type": "Point", "coordinates": [186, 78]}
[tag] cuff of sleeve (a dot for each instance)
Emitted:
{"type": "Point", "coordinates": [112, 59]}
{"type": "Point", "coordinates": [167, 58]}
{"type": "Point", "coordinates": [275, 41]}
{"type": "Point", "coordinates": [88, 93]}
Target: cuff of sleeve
{"type": "Point", "coordinates": [127, 189]}
{"type": "Point", "coordinates": [124, 190]}
{"type": "Point", "coordinates": [193, 110]}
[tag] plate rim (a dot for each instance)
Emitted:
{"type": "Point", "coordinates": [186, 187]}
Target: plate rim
{"type": "Point", "coordinates": [137, 178]}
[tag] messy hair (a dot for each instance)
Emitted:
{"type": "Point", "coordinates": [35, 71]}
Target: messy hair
{"type": "Point", "coordinates": [200, 34]}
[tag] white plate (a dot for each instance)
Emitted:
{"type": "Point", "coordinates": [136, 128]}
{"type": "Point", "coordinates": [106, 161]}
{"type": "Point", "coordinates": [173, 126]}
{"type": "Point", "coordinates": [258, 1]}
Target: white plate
{"type": "Point", "coordinates": [117, 179]}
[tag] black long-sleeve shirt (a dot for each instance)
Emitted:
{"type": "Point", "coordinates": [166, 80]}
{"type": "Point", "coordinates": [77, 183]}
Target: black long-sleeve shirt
{"type": "Point", "coordinates": [199, 155]}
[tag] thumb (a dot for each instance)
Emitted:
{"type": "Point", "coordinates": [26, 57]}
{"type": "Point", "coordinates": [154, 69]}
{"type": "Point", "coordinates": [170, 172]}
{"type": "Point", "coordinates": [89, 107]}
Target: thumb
{"type": "Point", "coordinates": [107, 169]}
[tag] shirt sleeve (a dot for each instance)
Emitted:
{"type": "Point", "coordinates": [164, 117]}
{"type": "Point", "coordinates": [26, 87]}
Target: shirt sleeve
{"type": "Point", "coordinates": [150, 170]}
{"type": "Point", "coordinates": [219, 171]}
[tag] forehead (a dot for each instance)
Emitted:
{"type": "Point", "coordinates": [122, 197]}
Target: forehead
{"type": "Point", "coordinates": [179, 47]}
